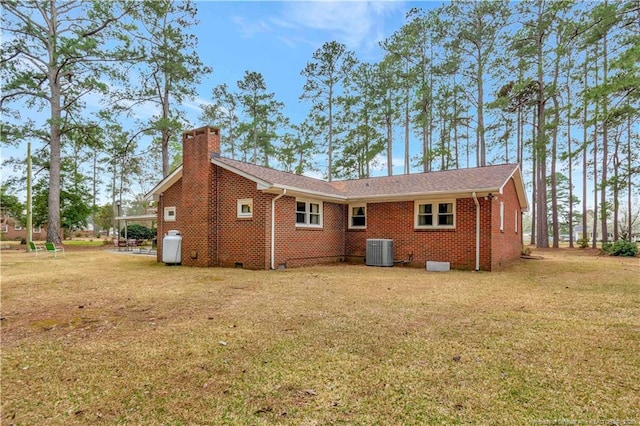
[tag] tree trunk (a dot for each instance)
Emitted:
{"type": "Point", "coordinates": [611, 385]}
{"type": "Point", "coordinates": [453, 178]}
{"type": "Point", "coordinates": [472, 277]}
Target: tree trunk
{"type": "Point", "coordinates": [595, 184]}
{"type": "Point", "coordinates": [389, 147]}
{"type": "Point", "coordinates": [585, 144]}
{"type": "Point", "coordinates": [113, 200]}
{"type": "Point", "coordinates": [594, 243]}
{"type": "Point", "coordinates": [570, 155]}
{"type": "Point", "coordinates": [406, 133]}
{"type": "Point", "coordinates": [554, 190]}
{"type": "Point", "coordinates": [455, 124]}
{"type": "Point", "coordinates": [534, 182]}
{"type": "Point", "coordinates": [629, 183]}
{"type": "Point", "coordinates": [166, 132]}
{"type": "Point", "coordinates": [53, 214]}
{"type": "Point", "coordinates": [542, 237]}
{"type": "Point", "coordinates": [330, 136]}
{"type": "Point", "coordinates": [480, 130]}
{"type": "Point", "coordinates": [616, 191]}
{"type": "Point", "coordinates": [605, 147]}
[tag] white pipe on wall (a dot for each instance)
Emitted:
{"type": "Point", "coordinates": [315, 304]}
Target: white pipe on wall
{"type": "Point", "coordinates": [475, 200]}
{"type": "Point", "coordinates": [273, 228]}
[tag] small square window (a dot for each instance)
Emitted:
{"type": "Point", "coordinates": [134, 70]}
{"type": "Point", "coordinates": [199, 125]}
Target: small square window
{"type": "Point", "coordinates": [435, 214]}
{"type": "Point", "coordinates": [17, 227]}
{"type": "Point", "coordinates": [301, 213]}
{"type": "Point", "coordinates": [358, 216]}
{"type": "Point", "coordinates": [445, 214]}
{"type": "Point", "coordinates": [170, 214]}
{"type": "Point", "coordinates": [245, 208]}
{"type": "Point", "coordinates": [425, 215]}
{"type": "Point", "coordinates": [308, 213]}
{"type": "Point", "coordinates": [314, 214]}
{"type": "Point", "coordinates": [4, 228]}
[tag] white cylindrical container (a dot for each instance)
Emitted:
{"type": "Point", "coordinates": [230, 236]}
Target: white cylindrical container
{"type": "Point", "coordinates": [172, 248]}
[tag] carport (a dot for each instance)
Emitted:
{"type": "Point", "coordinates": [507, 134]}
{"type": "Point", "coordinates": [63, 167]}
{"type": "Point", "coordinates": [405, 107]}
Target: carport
{"type": "Point", "coordinates": [126, 244]}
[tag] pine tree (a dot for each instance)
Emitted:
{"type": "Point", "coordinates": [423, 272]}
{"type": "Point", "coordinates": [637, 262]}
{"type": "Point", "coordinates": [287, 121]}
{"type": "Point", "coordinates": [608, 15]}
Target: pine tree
{"type": "Point", "coordinates": [56, 55]}
{"type": "Point", "coordinates": [325, 75]}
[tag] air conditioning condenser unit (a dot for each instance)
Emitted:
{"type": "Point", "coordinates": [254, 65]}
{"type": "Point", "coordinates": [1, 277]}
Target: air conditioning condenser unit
{"type": "Point", "coordinates": [379, 252]}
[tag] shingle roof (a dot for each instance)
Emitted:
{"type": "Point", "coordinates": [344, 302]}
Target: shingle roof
{"type": "Point", "coordinates": [489, 178]}
{"type": "Point", "coordinates": [462, 181]}
{"type": "Point", "coordinates": [277, 177]}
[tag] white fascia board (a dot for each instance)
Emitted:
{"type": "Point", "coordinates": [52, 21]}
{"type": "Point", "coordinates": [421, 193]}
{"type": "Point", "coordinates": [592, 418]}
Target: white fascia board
{"type": "Point", "coordinates": [520, 191]}
{"type": "Point", "coordinates": [422, 196]}
{"type": "Point", "coordinates": [239, 172]}
{"type": "Point", "coordinates": [293, 191]}
{"type": "Point", "coordinates": [163, 185]}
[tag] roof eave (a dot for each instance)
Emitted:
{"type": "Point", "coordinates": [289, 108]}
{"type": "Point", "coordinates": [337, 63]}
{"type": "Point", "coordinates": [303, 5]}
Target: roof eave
{"type": "Point", "coordinates": [516, 175]}
{"type": "Point", "coordinates": [293, 191]}
{"type": "Point", "coordinates": [164, 184]}
{"type": "Point", "coordinates": [466, 193]}
{"type": "Point", "coordinates": [257, 180]}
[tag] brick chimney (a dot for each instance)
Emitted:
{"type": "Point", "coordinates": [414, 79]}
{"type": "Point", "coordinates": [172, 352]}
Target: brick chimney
{"type": "Point", "coordinates": [198, 195]}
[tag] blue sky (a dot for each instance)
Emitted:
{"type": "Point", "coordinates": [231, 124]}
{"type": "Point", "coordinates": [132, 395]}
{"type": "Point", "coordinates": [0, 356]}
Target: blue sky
{"type": "Point", "coordinates": [277, 39]}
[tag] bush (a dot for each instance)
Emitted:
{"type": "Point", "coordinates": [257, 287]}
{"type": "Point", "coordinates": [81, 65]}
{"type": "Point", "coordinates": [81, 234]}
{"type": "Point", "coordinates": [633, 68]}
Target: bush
{"type": "Point", "coordinates": [583, 242]}
{"type": "Point", "coordinates": [138, 232]}
{"type": "Point", "coordinates": [623, 248]}
{"type": "Point", "coordinates": [606, 248]}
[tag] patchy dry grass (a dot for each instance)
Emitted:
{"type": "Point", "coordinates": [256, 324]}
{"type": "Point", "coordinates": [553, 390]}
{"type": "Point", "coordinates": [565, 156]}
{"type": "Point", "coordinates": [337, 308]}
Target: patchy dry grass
{"type": "Point", "coordinates": [98, 337]}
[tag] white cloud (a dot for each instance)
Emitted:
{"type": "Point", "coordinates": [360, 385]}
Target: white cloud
{"type": "Point", "coordinates": [358, 24]}
{"type": "Point", "coordinates": [249, 28]}
{"type": "Point", "coordinates": [196, 104]}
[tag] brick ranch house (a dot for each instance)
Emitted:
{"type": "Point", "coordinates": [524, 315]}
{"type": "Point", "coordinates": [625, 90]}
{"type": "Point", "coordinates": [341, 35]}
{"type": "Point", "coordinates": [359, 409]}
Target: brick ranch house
{"type": "Point", "coordinates": [231, 213]}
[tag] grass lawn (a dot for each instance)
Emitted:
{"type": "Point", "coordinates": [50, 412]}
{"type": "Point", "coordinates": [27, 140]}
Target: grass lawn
{"type": "Point", "coordinates": [100, 338]}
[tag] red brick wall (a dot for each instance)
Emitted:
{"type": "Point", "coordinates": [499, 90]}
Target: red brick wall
{"type": "Point", "coordinates": [172, 197]}
{"type": "Point", "coordinates": [396, 221]}
{"type": "Point", "coordinates": [506, 246]}
{"type": "Point", "coordinates": [206, 215]}
{"type": "Point", "coordinates": [197, 195]}
{"type": "Point", "coordinates": [12, 234]}
{"type": "Point", "coordinates": [241, 240]}
{"type": "Point", "coordinates": [248, 241]}
{"type": "Point", "coordinates": [297, 246]}
{"type": "Point", "coordinates": [195, 203]}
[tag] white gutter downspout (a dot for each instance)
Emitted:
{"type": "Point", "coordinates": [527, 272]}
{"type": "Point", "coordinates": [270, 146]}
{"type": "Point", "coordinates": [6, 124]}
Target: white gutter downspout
{"type": "Point", "coordinates": [273, 228]}
{"type": "Point", "coordinates": [475, 200]}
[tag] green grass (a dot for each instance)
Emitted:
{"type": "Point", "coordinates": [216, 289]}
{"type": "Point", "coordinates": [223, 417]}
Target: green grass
{"type": "Point", "coordinates": [99, 337]}
{"type": "Point", "coordinates": [85, 243]}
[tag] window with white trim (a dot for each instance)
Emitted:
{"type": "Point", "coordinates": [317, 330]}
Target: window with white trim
{"type": "Point", "coordinates": [170, 214]}
{"type": "Point", "coordinates": [308, 213]}
{"type": "Point", "coordinates": [17, 227]}
{"type": "Point", "coordinates": [37, 230]}
{"type": "Point", "coordinates": [4, 228]}
{"type": "Point", "coordinates": [516, 221]}
{"type": "Point", "coordinates": [357, 216]}
{"type": "Point", "coordinates": [245, 208]}
{"type": "Point", "coordinates": [435, 214]}
{"type": "Point", "coordinates": [501, 216]}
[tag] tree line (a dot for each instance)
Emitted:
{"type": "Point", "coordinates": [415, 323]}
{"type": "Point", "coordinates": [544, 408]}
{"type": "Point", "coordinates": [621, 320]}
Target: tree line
{"type": "Point", "coordinates": [552, 86]}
